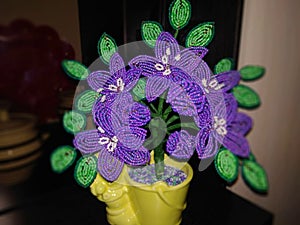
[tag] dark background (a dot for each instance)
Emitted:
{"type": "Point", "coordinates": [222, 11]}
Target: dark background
{"type": "Point", "coordinates": [122, 20]}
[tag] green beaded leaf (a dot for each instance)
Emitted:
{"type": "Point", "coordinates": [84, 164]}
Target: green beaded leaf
{"type": "Point", "coordinates": [224, 65]}
{"type": "Point", "coordinates": [150, 32]}
{"type": "Point", "coordinates": [255, 176]}
{"type": "Point", "coordinates": [85, 100]}
{"type": "Point", "coordinates": [74, 121]}
{"type": "Point", "coordinates": [246, 96]}
{"type": "Point", "coordinates": [106, 47]}
{"type": "Point", "coordinates": [139, 89]}
{"type": "Point", "coordinates": [227, 165]}
{"type": "Point", "coordinates": [179, 13]}
{"type": "Point", "coordinates": [85, 170]}
{"type": "Point", "coordinates": [75, 69]}
{"type": "Point", "coordinates": [200, 35]}
{"type": "Point", "coordinates": [62, 158]}
{"type": "Point", "coordinates": [251, 72]}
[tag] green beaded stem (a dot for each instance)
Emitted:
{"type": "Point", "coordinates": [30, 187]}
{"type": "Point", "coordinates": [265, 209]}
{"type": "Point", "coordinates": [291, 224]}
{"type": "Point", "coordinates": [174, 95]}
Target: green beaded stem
{"type": "Point", "coordinates": [75, 69]}
{"type": "Point", "coordinates": [179, 14]}
{"type": "Point", "coordinates": [246, 96]}
{"type": "Point", "coordinates": [255, 176]}
{"type": "Point", "coordinates": [251, 72]}
{"type": "Point", "coordinates": [74, 121]}
{"type": "Point", "coordinates": [224, 65]}
{"type": "Point", "coordinates": [86, 170]}
{"type": "Point", "coordinates": [150, 32]}
{"type": "Point", "coordinates": [85, 100]}
{"type": "Point", "coordinates": [200, 35]}
{"type": "Point", "coordinates": [159, 161]}
{"type": "Point", "coordinates": [62, 158]}
{"type": "Point", "coordinates": [227, 165]}
{"type": "Point", "coordinates": [106, 47]}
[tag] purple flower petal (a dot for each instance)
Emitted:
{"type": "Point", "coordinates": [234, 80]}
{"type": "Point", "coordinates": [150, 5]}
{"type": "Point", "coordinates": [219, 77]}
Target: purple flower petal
{"type": "Point", "coordinates": [131, 78]}
{"type": "Point", "coordinates": [155, 86]}
{"type": "Point", "coordinates": [182, 105]}
{"type": "Point", "coordinates": [139, 115]}
{"type": "Point", "coordinates": [194, 92]}
{"type": "Point", "coordinates": [202, 71]}
{"type": "Point", "coordinates": [204, 117]}
{"type": "Point", "coordinates": [181, 145]}
{"type": "Point", "coordinates": [122, 106]}
{"type": "Point", "coordinates": [231, 107]}
{"type": "Point", "coordinates": [97, 80]}
{"type": "Point", "coordinates": [206, 145]}
{"type": "Point", "coordinates": [116, 66]}
{"type": "Point", "coordinates": [129, 112]}
{"type": "Point", "coordinates": [87, 142]}
{"type": "Point", "coordinates": [242, 124]}
{"type": "Point", "coordinates": [109, 99]}
{"type": "Point", "coordinates": [185, 98]}
{"type": "Point", "coordinates": [166, 43]}
{"type": "Point", "coordinates": [227, 80]}
{"type": "Point", "coordinates": [177, 75]}
{"type": "Point", "coordinates": [146, 64]}
{"type": "Point", "coordinates": [190, 58]}
{"type": "Point", "coordinates": [107, 119]}
{"type": "Point", "coordinates": [215, 98]}
{"type": "Point", "coordinates": [175, 91]}
{"type": "Point", "coordinates": [219, 137]}
{"type": "Point", "coordinates": [227, 109]}
{"type": "Point", "coordinates": [237, 144]}
{"type": "Point", "coordinates": [199, 51]}
{"type": "Point", "coordinates": [133, 157]}
{"type": "Point", "coordinates": [132, 138]}
{"type": "Point", "coordinates": [109, 166]}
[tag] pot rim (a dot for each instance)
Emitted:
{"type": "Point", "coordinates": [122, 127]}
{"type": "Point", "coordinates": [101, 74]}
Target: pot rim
{"type": "Point", "coordinates": [187, 169]}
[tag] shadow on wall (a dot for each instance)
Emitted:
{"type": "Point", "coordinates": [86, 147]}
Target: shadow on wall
{"type": "Point", "coordinates": [30, 64]}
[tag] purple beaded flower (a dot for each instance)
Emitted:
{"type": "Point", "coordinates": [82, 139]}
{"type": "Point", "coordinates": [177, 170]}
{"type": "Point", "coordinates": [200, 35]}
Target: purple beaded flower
{"type": "Point", "coordinates": [214, 85]}
{"type": "Point", "coordinates": [242, 124]}
{"type": "Point", "coordinates": [221, 129]}
{"type": "Point", "coordinates": [116, 80]}
{"type": "Point", "coordinates": [170, 68]}
{"type": "Point", "coordinates": [118, 138]}
{"type": "Point", "coordinates": [181, 145]}
{"type": "Point", "coordinates": [211, 93]}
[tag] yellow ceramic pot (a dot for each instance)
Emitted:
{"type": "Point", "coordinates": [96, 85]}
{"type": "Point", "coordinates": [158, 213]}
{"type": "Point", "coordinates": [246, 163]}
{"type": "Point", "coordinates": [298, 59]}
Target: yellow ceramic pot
{"type": "Point", "coordinates": [132, 203]}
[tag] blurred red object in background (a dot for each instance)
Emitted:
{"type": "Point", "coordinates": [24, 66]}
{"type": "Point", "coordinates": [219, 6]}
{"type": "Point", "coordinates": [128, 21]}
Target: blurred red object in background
{"type": "Point", "coordinates": [30, 65]}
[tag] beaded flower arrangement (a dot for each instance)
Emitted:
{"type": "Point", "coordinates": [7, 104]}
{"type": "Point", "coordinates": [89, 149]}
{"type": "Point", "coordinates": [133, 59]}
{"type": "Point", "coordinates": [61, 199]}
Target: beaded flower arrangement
{"type": "Point", "coordinates": [165, 104]}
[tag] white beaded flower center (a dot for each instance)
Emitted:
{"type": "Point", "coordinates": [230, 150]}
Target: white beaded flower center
{"type": "Point", "coordinates": [101, 130]}
{"type": "Point", "coordinates": [103, 97]}
{"type": "Point", "coordinates": [111, 143]}
{"type": "Point", "coordinates": [220, 125]}
{"type": "Point", "coordinates": [213, 84]}
{"type": "Point", "coordinates": [165, 67]}
{"type": "Point", "coordinates": [117, 88]}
